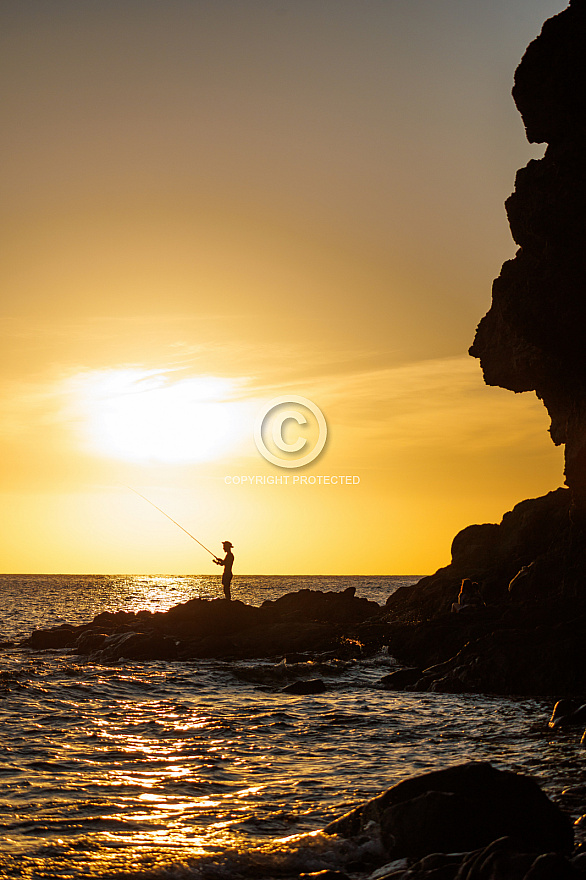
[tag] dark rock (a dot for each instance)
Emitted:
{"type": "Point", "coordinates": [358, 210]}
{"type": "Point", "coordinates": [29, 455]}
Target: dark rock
{"type": "Point", "coordinates": [298, 657]}
{"type": "Point", "coordinates": [522, 586]}
{"type": "Point", "coordinates": [550, 866]}
{"type": "Point", "coordinates": [331, 607]}
{"type": "Point", "coordinates": [202, 618]}
{"type": "Point", "coordinates": [551, 79]}
{"type": "Point", "coordinates": [436, 821]}
{"type": "Point", "coordinates": [500, 860]}
{"type": "Point", "coordinates": [497, 554]}
{"type": "Point", "coordinates": [313, 686]}
{"type": "Point", "coordinates": [438, 866]}
{"type": "Point", "coordinates": [473, 548]}
{"type": "Point", "coordinates": [144, 615]}
{"type": "Point", "coordinates": [533, 646]}
{"type": "Point", "coordinates": [532, 564]}
{"type": "Point", "coordinates": [115, 618]}
{"type": "Point", "coordinates": [277, 636]}
{"type": "Point", "coordinates": [90, 640]}
{"type": "Point", "coordinates": [136, 646]}
{"type": "Point", "coordinates": [216, 645]}
{"type": "Point", "coordinates": [455, 681]}
{"type": "Point", "coordinates": [513, 660]}
{"type": "Point", "coordinates": [397, 681]}
{"type": "Point", "coordinates": [501, 803]}
{"type": "Point", "coordinates": [532, 337]}
{"type": "Point", "coordinates": [58, 637]}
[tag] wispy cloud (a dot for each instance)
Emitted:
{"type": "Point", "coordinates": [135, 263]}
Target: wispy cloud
{"type": "Point", "coordinates": [429, 404]}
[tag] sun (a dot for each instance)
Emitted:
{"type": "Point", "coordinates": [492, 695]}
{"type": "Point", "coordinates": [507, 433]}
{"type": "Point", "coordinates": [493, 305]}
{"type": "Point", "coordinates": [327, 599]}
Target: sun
{"type": "Point", "coordinates": [150, 416]}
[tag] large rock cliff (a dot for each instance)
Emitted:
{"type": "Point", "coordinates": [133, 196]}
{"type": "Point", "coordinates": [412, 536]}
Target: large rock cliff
{"type": "Point", "coordinates": [529, 635]}
{"type": "Point", "coordinates": [533, 337]}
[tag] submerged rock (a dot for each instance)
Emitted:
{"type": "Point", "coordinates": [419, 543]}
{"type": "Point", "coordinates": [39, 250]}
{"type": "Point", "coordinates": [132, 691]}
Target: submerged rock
{"type": "Point", "coordinates": [402, 678]}
{"type": "Point", "coordinates": [136, 646]}
{"type": "Point", "coordinates": [63, 636]}
{"type": "Point", "coordinates": [313, 686]}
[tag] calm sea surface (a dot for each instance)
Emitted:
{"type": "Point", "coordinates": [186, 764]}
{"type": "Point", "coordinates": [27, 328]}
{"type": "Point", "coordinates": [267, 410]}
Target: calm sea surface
{"type": "Point", "coordinates": [203, 769]}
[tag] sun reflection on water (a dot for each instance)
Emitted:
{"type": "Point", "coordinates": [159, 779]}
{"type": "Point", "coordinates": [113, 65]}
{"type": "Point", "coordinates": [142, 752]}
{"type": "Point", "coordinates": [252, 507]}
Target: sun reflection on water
{"type": "Point", "coordinates": [145, 767]}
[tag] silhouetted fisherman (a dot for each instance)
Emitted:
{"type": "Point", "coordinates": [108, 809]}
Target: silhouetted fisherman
{"type": "Point", "coordinates": [227, 562]}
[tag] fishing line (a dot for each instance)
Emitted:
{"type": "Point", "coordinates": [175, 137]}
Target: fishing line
{"type": "Point", "coordinates": [171, 518]}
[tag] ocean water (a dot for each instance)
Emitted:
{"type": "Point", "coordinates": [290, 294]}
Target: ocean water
{"type": "Point", "coordinates": [204, 769]}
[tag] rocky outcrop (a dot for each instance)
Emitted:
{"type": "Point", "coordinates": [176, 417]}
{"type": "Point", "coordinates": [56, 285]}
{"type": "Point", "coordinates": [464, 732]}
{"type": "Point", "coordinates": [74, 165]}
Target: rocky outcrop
{"type": "Point", "coordinates": [466, 822]}
{"type": "Point", "coordinates": [527, 637]}
{"type": "Point", "coordinates": [532, 338]}
{"type": "Point", "coordinates": [506, 660]}
{"type": "Point", "coordinates": [492, 554]}
{"type": "Point", "coordinates": [303, 688]}
{"type": "Point", "coordinates": [305, 621]}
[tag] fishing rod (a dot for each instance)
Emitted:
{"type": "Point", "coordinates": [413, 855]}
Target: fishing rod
{"type": "Point", "coordinates": [172, 520]}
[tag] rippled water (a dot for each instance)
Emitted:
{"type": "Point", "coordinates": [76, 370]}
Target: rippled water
{"type": "Point", "coordinates": [205, 769]}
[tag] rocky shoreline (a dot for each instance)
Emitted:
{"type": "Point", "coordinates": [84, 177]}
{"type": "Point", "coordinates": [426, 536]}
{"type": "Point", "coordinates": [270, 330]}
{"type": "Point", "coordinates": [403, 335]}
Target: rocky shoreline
{"type": "Point", "coordinates": [306, 621]}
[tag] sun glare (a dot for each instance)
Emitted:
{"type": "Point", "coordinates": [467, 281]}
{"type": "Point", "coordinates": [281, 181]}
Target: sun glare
{"type": "Point", "coordinates": [143, 415]}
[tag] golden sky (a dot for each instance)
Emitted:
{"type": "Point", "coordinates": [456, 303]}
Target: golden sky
{"type": "Point", "coordinates": [208, 204]}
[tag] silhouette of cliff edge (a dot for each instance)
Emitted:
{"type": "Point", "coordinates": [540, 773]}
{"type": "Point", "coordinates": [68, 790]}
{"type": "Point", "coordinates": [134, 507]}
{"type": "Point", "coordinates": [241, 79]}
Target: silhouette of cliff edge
{"type": "Point", "coordinates": [530, 637]}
